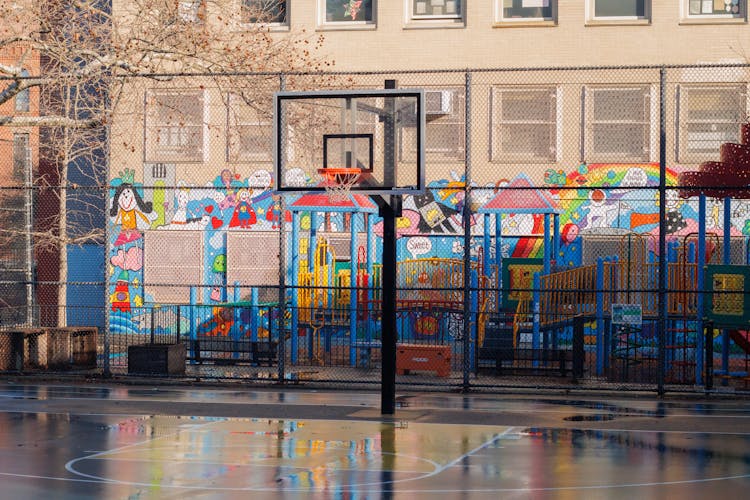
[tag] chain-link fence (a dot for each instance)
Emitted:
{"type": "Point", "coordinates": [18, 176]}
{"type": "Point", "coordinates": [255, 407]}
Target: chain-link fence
{"type": "Point", "coordinates": [581, 227]}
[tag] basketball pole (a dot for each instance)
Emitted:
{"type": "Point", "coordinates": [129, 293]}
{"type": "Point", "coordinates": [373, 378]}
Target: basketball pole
{"type": "Point", "coordinates": [389, 212]}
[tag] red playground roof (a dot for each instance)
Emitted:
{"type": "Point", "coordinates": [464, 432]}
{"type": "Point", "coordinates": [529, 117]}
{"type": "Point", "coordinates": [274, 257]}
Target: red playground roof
{"type": "Point", "coordinates": [353, 203]}
{"type": "Point", "coordinates": [520, 197]}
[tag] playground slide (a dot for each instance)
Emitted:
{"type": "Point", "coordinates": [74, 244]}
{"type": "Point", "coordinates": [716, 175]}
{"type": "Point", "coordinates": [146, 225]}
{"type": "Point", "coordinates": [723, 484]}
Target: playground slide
{"type": "Point", "coordinates": [741, 338]}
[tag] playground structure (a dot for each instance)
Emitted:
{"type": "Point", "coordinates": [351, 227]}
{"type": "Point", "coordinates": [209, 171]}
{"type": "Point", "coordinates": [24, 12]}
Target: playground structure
{"type": "Point", "coordinates": [333, 311]}
{"type": "Point", "coordinates": [332, 319]}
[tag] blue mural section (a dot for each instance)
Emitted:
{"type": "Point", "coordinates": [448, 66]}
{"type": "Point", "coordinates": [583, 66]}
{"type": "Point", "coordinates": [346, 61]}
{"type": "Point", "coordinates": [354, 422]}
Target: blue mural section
{"type": "Point", "coordinates": [85, 290]}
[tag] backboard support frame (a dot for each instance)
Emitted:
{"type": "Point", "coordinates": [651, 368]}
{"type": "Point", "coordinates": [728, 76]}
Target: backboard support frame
{"type": "Point", "coordinates": [386, 115]}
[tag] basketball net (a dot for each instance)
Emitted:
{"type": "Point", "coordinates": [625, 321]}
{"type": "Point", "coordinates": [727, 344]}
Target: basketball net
{"type": "Point", "coordinates": [338, 182]}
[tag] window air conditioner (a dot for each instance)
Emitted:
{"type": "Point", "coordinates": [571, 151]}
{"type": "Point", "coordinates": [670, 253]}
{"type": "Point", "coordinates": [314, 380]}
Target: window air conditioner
{"type": "Point", "coordinates": [438, 102]}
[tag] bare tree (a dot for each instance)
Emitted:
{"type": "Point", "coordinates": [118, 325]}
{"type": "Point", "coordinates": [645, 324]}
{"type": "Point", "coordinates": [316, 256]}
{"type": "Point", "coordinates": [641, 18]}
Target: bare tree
{"type": "Point", "coordinates": [95, 55]}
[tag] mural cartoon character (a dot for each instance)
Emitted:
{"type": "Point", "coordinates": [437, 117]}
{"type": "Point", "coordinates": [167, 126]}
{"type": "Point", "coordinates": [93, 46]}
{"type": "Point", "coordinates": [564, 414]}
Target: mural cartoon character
{"type": "Point", "coordinates": [131, 212]}
{"type": "Point", "coordinates": [436, 217]}
{"type": "Point", "coordinates": [599, 211]}
{"type": "Point", "coordinates": [274, 214]}
{"type": "Point", "coordinates": [226, 182]}
{"type": "Point", "coordinates": [244, 215]}
{"type": "Point", "coordinates": [182, 212]}
{"type": "Point", "coordinates": [675, 219]}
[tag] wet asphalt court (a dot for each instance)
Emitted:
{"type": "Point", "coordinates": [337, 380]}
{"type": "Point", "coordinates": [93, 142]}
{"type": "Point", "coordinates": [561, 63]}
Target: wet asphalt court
{"type": "Point", "coordinates": [121, 441]}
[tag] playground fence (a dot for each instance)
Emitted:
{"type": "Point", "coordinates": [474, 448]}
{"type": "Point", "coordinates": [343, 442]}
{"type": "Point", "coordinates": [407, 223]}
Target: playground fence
{"type": "Point", "coordinates": [583, 228]}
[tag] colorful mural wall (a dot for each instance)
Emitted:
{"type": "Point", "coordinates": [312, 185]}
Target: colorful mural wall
{"type": "Point", "coordinates": [431, 225]}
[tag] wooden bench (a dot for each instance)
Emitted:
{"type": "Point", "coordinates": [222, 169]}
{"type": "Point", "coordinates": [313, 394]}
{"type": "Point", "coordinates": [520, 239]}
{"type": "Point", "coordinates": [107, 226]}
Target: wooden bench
{"type": "Point", "coordinates": [226, 351]}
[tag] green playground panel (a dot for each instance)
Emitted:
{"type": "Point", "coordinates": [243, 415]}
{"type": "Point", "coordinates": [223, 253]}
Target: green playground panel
{"type": "Point", "coordinates": [518, 280]}
{"type": "Point", "coordinates": [728, 300]}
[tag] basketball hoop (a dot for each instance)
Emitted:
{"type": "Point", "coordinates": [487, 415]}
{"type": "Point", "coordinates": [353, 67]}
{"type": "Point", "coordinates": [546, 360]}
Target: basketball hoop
{"type": "Point", "coordinates": [339, 182]}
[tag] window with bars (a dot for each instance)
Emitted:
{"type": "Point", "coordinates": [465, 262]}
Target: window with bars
{"type": "Point", "coordinates": [175, 126]}
{"type": "Point", "coordinates": [249, 132]}
{"type": "Point", "coordinates": [445, 134]}
{"type": "Point", "coordinates": [709, 115]}
{"type": "Point", "coordinates": [618, 124]}
{"type": "Point", "coordinates": [23, 101]}
{"type": "Point", "coordinates": [524, 124]}
{"type": "Point", "coordinates": [21, 156]}
{"type": "Point", "coordinates": [264, 11]}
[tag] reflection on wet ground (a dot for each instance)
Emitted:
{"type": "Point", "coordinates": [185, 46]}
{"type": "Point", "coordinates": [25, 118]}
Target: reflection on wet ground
{"type": "Point", "coordinates": [630, 407]}
{"type": "Point", "coordinates": [92, 454]}
{"type": "Point", "coordinates": [66, 456]}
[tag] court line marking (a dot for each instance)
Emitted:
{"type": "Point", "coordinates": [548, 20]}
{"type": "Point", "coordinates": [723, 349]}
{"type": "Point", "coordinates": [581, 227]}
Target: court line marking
{"type": "Point", "coordinates": [349, 489]}
{"type": "Point", "coordinates": [69, 464]}
{"type": "Point", "coordinates": [52, 478]}
{"type": "Point", "coordinates": [353, 487]}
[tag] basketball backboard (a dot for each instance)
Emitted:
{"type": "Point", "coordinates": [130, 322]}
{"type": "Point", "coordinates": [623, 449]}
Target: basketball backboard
{"type": "Point", "coordinates": [378, 132]}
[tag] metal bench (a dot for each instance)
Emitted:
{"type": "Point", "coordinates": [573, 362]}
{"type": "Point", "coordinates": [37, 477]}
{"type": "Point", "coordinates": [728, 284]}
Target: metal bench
{"type": "Point", "coordinates": [230, 351]}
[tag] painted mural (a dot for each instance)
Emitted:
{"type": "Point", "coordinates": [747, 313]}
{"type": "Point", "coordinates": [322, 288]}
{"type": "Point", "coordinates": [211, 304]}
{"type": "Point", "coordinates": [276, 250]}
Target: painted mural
{"type": "Point", "coordinates": [431, 225]}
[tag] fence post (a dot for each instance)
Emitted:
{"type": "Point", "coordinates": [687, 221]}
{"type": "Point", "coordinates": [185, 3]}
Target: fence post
{"type": "Point", "coordinates": [192, 326]}
{"type": "Point", "coordinates": [663, 260]}
{"type": "Point", "coordinates": [701, 283]}
{"type": "Point", "coordinates": [281, 346]}
{"type": "Point", "coordinates": [578, 352]}
{"type": "Point", "coordinates": [600, 316]}
{"type": "Point", "coordinates": [535, 308]}
{"type": "Point", "coordinates": [708, 331]}
{"type": "Point", "coordinates": [466, 216]}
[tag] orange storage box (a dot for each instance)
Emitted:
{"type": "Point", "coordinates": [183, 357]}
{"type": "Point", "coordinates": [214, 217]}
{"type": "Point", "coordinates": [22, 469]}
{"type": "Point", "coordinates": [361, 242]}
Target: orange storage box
{"type": "Point", "coordinates": [436, 358]}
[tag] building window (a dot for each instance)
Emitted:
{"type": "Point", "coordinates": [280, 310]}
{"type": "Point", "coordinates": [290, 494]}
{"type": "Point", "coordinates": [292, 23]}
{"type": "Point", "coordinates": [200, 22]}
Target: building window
{"type": "Point", "coordinates": [525, 10]}
{"type": "Point", "coordinates": [23, 97]}
{"type": "Point", "coordinates": [21, 156]}
{"type": "Point", "coordinates": [445, 134]}
{"type": "Point", "coordinates": [715, 8]}
{"type": "Point", "coordinates": [435, 9]}
{"type": "Point", "coordinates": [175, 126]}
{"type": "Point", "coordinates": [709, 115]}
{"type": "Point", "coordinates": [249, 132]}
{"type": "Point", "coordinates": [617, 10]}
{"type": "Point", "coordinates": [264, 11]}
{"type": "Point", "coordinates": [524, 124]}
{"type": "Point", "coordinates": [618, 124]}
{"type": "Point", "coordinates": [347, 11]}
